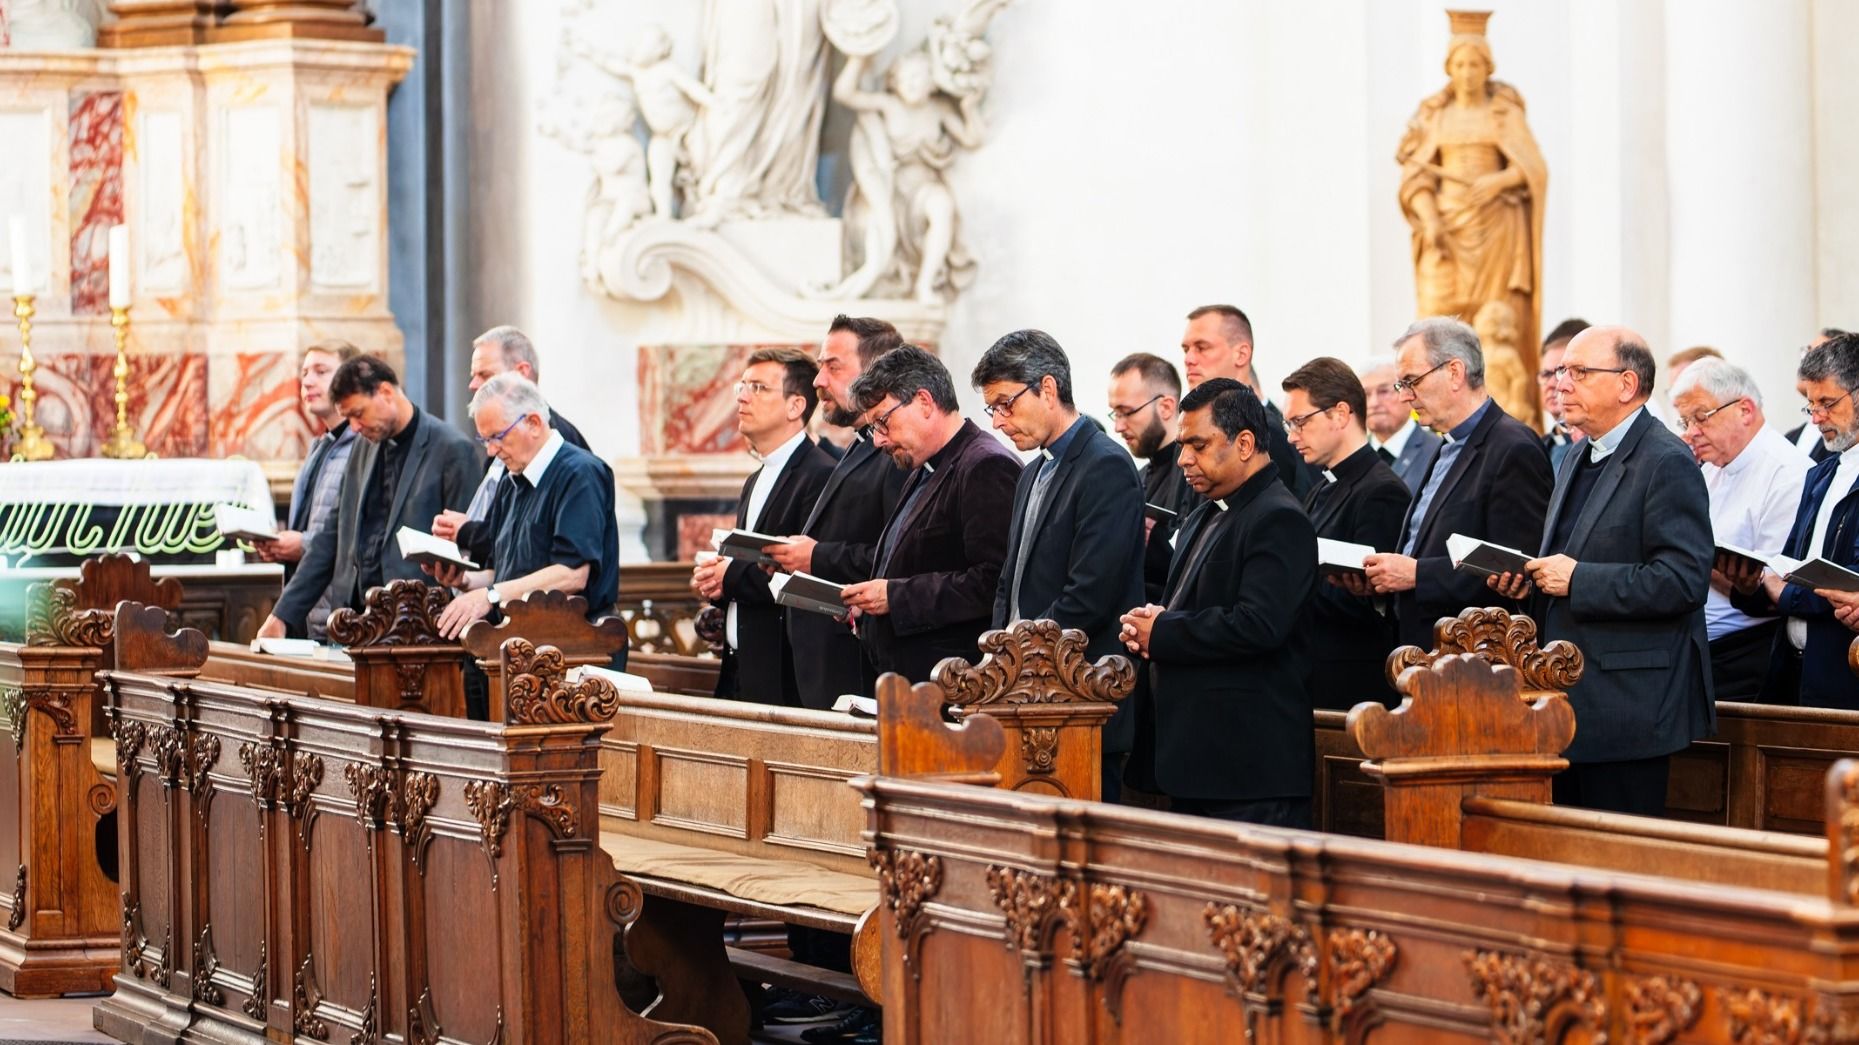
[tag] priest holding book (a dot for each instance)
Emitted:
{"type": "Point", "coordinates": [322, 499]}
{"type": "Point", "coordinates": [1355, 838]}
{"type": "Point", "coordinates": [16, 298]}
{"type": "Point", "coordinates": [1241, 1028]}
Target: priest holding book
{"type": "Point", "coordinates": [553, 521]}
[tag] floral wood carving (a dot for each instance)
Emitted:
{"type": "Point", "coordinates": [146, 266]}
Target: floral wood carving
{"type": "Point", "coordinates": [135, 945]}
{"type": "Point", "coordinates": [306, 775]}
{"type": "Point", "coordinates": [1039, 749]}
{"type": "Point", "coordinates": [537, 692]}
{"type": "Point", "coordinates": [206, 963]}
{"type": "Point", "coordinates": [1030, 901]}
{"type": "Point", "coordinates": [131, 738]}
{"type": "Point", "coordinates": [259, 1003]}
{"type": "Point", "coordinates": [162, 973]}
{"type": "Point", "coordinates": [419, 792]}
{"type": "Point", "coordinates": [410, 681]}
{"type": "Point", "coordinates": [1359, 959]}
{"type": "Point", "coordinates": [423, 1023]}
{"type": "Point", "coordinates": [1524, 993]}
{"type": "Point", "coordinates": [13, 704]}
{"type": "Point", "coordinates": [54, 619]}
{"type": "Point", "coordinates": [373, 788]}
{"type": "Point", "coordinates": [1660, 1008]}
{"type": "Point", "coordinates": [307, 997]}
{"type": "Point", "coordinates": [1113, 915]}
{"type": "Point", "coordinates": [1035, 662]}
{"type": "Point", "coordinates": [202, 756]}
{"type": "Point", "coordinates": [261, 767]}
{"type": "Point", "coordinates": [369, 1033]}
{"type": "Point", "coordinates": [906, 881]}
{"type": "Point", "coordinates": [54, 703]}
{"type": "Point", "coordinates": [17, 915]}
{"type": "Point", "coordinates": [1255, 943]}
{"type": "Point", "coordinates": [1500, 637]}
{"type": "Point", "coordinates": [491, 802]}
{"type": "Point", "coordinates": [398, 613]}
{"type": "Point", "coordinates": [1759, 1017]}
{"type": "Point", "coordinates": [168, 746]}
{"type": "Point", "coordinates": [1843, 824]}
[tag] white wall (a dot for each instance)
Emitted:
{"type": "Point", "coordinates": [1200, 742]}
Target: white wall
{"type": "Point", "coordinates": [1147, 158]}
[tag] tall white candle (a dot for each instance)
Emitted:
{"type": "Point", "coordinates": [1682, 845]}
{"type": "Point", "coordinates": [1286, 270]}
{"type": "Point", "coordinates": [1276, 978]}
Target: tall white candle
{"type": "Point", "coordinates": [22, 272]}
{"type": "Point", "coordinates": [119, 266]}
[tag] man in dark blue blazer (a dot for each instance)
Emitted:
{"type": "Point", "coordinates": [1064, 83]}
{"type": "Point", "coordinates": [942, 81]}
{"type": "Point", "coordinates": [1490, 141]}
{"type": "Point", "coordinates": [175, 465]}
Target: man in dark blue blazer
{"type": "Point", "coordinates": [1489, 481]}
{"type": "Point", "coordinates": [1225, 728]}
{"type": "Point", "coordinates": [1808, 665]}
{"type": "Point", "coordinates": [1623, 573]}
{"type": "Point", "coordinates": [1075, 547]}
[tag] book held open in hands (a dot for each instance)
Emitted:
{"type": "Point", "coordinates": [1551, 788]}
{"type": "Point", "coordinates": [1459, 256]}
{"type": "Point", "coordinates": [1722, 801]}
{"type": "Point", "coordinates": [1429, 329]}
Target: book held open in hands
{"type": "Point", "coordinates": [745, 545]}
{"type": "Point", "coordinates": [1341, 556]}
{"type": "Point", "coordinates": [1476, 556]}
{"type": "Point", "coordinates": [1815, 573]}
{"type": "Point", "coordinates": [239, 523]}
{"type": "Point", "coordinates": [804, 591]}
{"type": "Point", "coordinates": [423, 548]}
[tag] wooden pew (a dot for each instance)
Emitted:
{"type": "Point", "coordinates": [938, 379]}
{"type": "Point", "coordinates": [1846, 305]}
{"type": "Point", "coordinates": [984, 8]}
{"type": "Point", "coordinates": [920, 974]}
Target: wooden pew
{"type": "Point", "coordinates": [553, 617]}
{"type": "Point", "coordinates": [297, 869]}
{"type": "Point", "coordinates": [721, 808]}
{"type": "Point", "coordinates": [401, 662]}
{"type": "Point", "coordinates": [58, 910]}
{"type": "Point", "coordinates": [661, 614]}
{"type": "Point", "coordinates": [1021, 918]}
{"type": "Point", "coordinates": [235, 663]}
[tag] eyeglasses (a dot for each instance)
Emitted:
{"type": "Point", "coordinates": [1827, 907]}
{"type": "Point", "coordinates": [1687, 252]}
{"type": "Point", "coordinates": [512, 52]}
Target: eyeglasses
{"type": "Point", "coordinates": [1294, 425]}
{"type": "Point", "coordinates": [1546, 374]}
{"type": "Point", "coordinates": [1824, 408]}
{"type": "Point", "coordinates": [1005, 405]}
{"type": "Point", "coordinates": [754, 388]}
{"type": "Point", "coordinates": [1407, 384]}
{"type": "Point", "coordinates": [1118, 413]}
{"type": "Point", "coordinates": [882, 423]}
{"type": "Point", "coordinates": [1580, 373]}
{"type": "Point", "coordinates": [1686, 424]}
{"type": "Point", "coordinates": [486, 440]}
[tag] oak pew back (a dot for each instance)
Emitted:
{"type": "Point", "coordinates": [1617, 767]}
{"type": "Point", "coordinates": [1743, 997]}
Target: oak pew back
{"type": "Point", "coordinates": [554, 617]}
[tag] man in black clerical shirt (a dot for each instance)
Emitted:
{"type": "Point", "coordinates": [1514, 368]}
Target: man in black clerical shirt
{"type": "Point", "coordinates": [1359, 501]}
{"type": "Point", "coordinates": [1225, 727]}
{"type": "Point", "coordinates": [408, 467]}
{"type": "Point", "coordinates": [554, 519]}
{"type": "Point", "coordinates": [1145, 393]}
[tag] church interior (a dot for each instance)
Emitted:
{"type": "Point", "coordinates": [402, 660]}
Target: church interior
{"type": "Point", "coordinates": [1373, 556]}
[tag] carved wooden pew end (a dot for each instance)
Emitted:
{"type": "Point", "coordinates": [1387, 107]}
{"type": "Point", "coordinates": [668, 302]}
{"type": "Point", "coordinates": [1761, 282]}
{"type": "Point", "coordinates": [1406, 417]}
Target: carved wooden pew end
{"type": "Point", "coordinates": [401, 662]}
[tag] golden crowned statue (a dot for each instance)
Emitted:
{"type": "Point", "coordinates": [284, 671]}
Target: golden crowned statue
{"type": "Point", "coordinates": [1472, 187]}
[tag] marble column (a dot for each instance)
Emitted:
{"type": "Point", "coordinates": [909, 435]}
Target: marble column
{"type": "Point", "coordinates": [1739, 134]}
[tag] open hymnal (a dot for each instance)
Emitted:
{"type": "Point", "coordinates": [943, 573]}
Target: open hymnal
{"type": "Point", "coordinates": [245, 524]}
{"type": "Point", "coordinates": [1341, 556]}
{"type": "Point", "coordinates": [853, 704]}
{"type": "Point", "coordinates": [804, 591]}
{"type": "Point", "coordinates": [422, 548]}
{"type": "Point", "coordinates": [745, 545]}
{"type": "Point", "coordinates": [1814, 573]}
{"type": "Point", "coordinates": [1470, 553]}
{"type": "Point", "coordinates": [1743, 556]}
{"type": "Point", "coordinates": [629, 685]}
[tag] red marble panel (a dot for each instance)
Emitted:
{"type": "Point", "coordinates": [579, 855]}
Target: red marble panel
{"type": "Point", "coordinates": [694, 532]}
{"type": "Point", "coordinates": [96, 196]}
{"type": "Point", "coordinates": [66, 407]}
{"type": "Point", "coordinates": [256, 410]}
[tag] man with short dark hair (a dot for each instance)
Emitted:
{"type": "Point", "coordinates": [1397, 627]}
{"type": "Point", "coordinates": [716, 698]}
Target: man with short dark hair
{"type": "Point", "coordinates": [1623, 567]}
{"type": "Point", "coordinates": [1395, 436]}
{"type": "Point", "coordinates": [1145, 395]}
{"type": "Point", "coordinates": [1225, 728]}
{"type": "Point", "coordinates": [1360, 501]}
{"type": "Point", "coordinates": [774, 403]}
{"type": "Point", "coordinates": [1218, 343]}
{"type": "Point", "coordinates": [1075, 551]}
{"type": "Point", "coordinates": [409, 467]}
{"type": "Point", "coordinates": [938, 562]}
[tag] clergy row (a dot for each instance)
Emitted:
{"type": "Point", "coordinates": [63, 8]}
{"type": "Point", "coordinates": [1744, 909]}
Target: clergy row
{"type": "Point", "coordinates": [1205, 565]}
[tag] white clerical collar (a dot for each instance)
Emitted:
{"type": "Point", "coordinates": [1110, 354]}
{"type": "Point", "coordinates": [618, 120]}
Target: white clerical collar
{"type": "Point", "coordinates": [777, 458]}
{"type": "Point", "coordinates": [1601, 447]}
{"type": "Point", "coordinates": [1220, 503]}
{"type": "Point", "coordinates": [1398, 441]}
{"type": "Point", "coordinates": [539, 464]}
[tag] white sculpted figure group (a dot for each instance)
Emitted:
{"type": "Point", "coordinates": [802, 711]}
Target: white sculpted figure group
{"type": "Point", "coordinates": [739, 140]}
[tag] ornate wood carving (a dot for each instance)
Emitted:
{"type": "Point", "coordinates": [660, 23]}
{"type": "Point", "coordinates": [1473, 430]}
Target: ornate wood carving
{"type": "Point", "coordinates": [131, 738]}
{"type": "Point", "coordinates": [1501, 638]}
{"type": "Point", "coordinates": [1843, 827]}
{"type": "Point", "coordinates": [1039, 749]}
{"type": "Point", "coordinates": [135, 944]}
{"type": "Point", "coordinates": [490, 804]}
{"type": "Point", "coordinates": [1359, 959]}
{"type": "Point", "coordinates": [206, 963]}
{"type": "Point", "coordinates": [202, 756]}
{"type": "Point", "coordinates": [17, 915]}
{"type": "Point", "coordinates": [373, 788]}
{"type": "Point", "coordinates": [1112, 916]}
{"type": "Point", "coordinates": [53, 618]}
{"type": "Point", "coordinates": [1030, 901]}
{"type": "Point", "coordinates": [906, 881]}
{"type": "Point", "coordinates": [1444, 698]}
{"type": "Point", "coordinates": [369, 1032]}
{"type": "Point", "coordinates": [308, 996]}
{"type": "Point", "coordinates": [259, 1003]}
{"type": "Point", "coordinates": [54, 703]}
{"type": "Point", "coordinates": [1758, 1016]}
{"type": "Point", "coordinates": [1525, 994]}
{"type": "Point", "coordinates": [1660, 1008]}
{"type": "Point", "coordinates": [261, 767]}
{"type": "Point", "coordinates": [410, 680]}
{"type": "Point", "coordinates": [1035, 662]}
{"type": "Point", "coordinates": [306, 775]}
{"type": "Point", "coordinates": [162, 973]}
{"type": "Point", "coordinates": [1257, 943]}
{"type": "Point", "coordinates": [419, 792]}
{"type": "Point", "coordinates": [423, 1023]}
{"type": "Point", "coordinates": [13, 702]}
{"type": "Point", "coordinates": [537, 692]}
{"type": "Point", "coordinates": [398, 613]}
{"type": "Point", "coordinates": [625, 899]}
{"type": "Point", "coordinates": [169, 747]}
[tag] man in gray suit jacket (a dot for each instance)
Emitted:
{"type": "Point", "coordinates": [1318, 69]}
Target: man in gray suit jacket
{"type": "Point", "coordinates": [408, 467]}
{"type": "Point", "coordinates": [1625, 569]}
{"type": "Point", "coordinates": [1397, 438]}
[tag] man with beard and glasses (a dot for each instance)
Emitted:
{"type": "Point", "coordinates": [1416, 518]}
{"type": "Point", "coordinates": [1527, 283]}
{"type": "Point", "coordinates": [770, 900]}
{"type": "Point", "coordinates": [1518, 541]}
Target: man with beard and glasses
{"type": "Point", "coordinates": [1145, 395]}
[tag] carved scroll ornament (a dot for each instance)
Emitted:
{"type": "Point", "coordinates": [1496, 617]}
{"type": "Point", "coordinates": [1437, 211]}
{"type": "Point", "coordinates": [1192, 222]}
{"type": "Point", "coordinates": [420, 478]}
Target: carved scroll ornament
{"type": "Point", "coordinates": [906, 881]}
{"type": "Point", "coordinates": [1525, 994]}
{"type": "Point", "coordinates": [1660, 1008]}
{"type": "Point", "coordinates": [537, 691]}
{"type": "Point", "coordinates": [1502, 638]}
{"type": "Point", "coordinates": [399, 613]}
{"type": "Point", "coordinates": [1031, 902]}
{"type": "Point", "coordinates": [1035, 662]}
{"type": "Point", "coordinates": [53, 619]}
{"type": "Point", "coordinates": [1255, 943]}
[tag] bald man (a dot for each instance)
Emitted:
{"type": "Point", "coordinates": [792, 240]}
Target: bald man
{"type": "Point", "coordinates": [1624, 570]}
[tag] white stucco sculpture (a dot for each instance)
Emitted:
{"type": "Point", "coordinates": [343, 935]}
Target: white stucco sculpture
{"type": "Point", "coordinates": [53, 25]}
{"type": "Point", "coordinates": [668, 98]}
{"type": "Point", "coordinates": [619, 195]}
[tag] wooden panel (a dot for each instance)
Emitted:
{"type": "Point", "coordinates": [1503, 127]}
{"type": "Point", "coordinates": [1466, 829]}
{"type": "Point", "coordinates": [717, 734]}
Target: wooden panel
{"type": "Point", "coordinates": [459, 969]}
{"type": "Point", "coordinates": [701, 791]}
{"type": "Point", "coordinates": [809, 809]}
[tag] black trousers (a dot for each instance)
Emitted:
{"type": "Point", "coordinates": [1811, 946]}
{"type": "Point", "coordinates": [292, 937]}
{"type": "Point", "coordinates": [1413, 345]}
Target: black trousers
{"type": "Point", "coordinates": [1272, 812]}
{"type": "Point", "coordinates": [1636, 787]}
{"type": "Point", "coordinates": [1740, 661]}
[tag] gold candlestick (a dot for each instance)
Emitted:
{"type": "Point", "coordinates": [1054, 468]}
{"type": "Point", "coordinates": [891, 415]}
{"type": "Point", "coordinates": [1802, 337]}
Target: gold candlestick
{"type": "Point", "coordinates": [122, 442]}
{"type": "Point", "coordinates": [32, 445]}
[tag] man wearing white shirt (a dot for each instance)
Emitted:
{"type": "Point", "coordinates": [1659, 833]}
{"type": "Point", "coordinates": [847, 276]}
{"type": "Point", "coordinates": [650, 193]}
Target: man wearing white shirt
{"type": "Point", "coordinates": [774, 401]}
{"type": "Point", "coordinates": [1395, 436]}
{"type": "Point", "coordinates": [1754, 475]}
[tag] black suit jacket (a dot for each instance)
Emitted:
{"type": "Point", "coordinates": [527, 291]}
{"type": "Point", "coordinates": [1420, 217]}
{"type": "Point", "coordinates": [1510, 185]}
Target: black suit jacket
{"type": "Point", "coordinates": [1164, 486]}
{"type": "Point", "coordinates": [1496, 490]}
{"type": "Point", "coordinates": [945, 563]}
{"type": "Point", "coordinates": [761, 668]}
{"type": "Point", "coordinates": [1635, 606]}
{"type": "Point", "coordinates": [845, 521]}
{"type": "Point", "coordinates": [1352, 636]}
{"type": "Point", "coordinates": [441, 473]}
{"type": "Point", "coordinates": [1084, 563]}
{"type": "Point", "coordinates": [1226, 716]}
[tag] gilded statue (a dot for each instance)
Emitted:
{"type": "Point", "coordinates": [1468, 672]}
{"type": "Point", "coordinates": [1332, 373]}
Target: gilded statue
{"type": "Point", "coordinates": [1506, 378]}
{"type": "Point", "coordinates": [1472, 188]}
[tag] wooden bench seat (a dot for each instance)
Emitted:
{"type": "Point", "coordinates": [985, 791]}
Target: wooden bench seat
{"type": "Point", "coordinates": [783, 888]}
